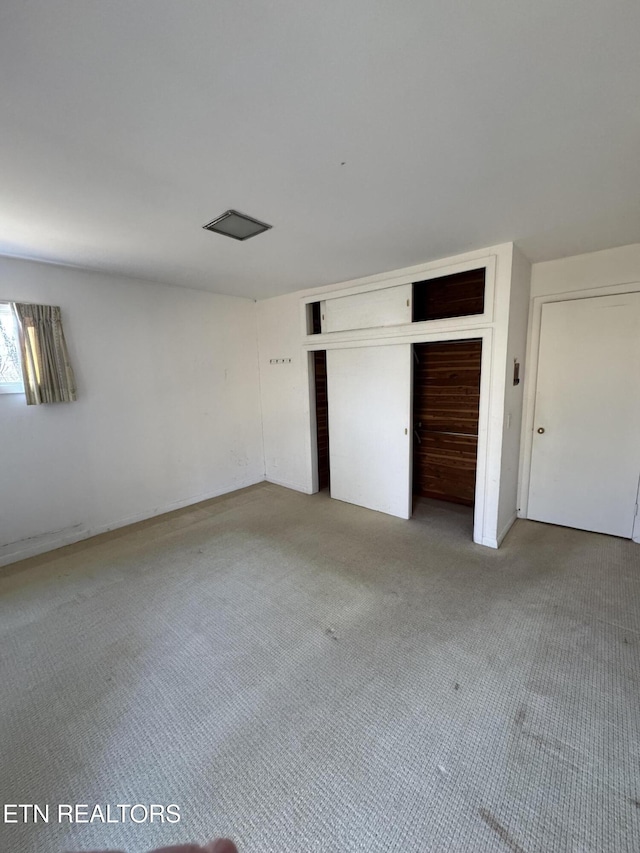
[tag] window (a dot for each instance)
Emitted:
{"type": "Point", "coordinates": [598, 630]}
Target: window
{"type": "Point", "coordinates": [10, 366]}
{"type": "Point", "coordinates": [33, 354]}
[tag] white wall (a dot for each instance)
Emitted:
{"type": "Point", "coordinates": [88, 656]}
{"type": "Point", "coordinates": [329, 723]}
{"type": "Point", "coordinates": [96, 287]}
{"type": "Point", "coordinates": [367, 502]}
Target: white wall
{"type": "Point", "coordinates": [582, 272]}
{"type": "Point", "coordinates": [168, 409]}
{"type": "Point", "coordinates": [514, 394]}
{"type": "Point", "coordinates": [286, 411]}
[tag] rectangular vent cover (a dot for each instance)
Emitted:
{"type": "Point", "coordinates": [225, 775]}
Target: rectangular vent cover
{"type": "Point", "coordinates": [237, 225]}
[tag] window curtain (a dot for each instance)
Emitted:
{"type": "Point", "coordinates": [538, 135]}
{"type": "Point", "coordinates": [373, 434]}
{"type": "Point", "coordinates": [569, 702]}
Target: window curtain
{"type": "Point", "coordinates": [47, 372]}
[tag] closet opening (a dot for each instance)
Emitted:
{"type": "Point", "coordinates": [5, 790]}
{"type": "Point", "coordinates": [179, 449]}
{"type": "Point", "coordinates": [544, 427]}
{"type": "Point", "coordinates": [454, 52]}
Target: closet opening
{"type": "Point", "coordinates": [319, 361]}
{"type": "Point", "coordinates": [446, 403]}
{"type": "Point", "coordinates": [457, 295]}
{"type": "Point", "coordinates": [314, 318]}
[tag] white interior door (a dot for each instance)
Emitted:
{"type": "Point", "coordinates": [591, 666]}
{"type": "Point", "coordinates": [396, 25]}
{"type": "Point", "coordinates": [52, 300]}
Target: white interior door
{"type": "Point", "coordinates": [369, 391]}
{"type": "Point", "coordinates": [586, 441]}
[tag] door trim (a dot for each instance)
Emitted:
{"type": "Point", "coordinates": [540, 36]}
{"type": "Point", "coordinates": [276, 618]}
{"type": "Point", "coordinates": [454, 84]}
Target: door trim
{"type": "Point", "coordinates": [635, 532]}
{"type": "Point", "coordinates": [531, 380]}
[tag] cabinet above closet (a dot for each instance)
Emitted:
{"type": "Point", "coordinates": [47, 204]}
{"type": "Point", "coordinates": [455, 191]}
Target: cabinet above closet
{"type": "Point", "coordinates": [454, 296]}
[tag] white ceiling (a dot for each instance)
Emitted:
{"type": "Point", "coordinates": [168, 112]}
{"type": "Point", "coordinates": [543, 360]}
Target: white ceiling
{"type": "Point", "coordinates": [372, 134]}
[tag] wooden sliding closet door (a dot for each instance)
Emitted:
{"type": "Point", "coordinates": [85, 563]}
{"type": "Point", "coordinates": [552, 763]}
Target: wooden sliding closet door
{"type": "Point", "coordinates": [322, 417]}
{"type": "Point", "coordinates": [446, 402]}
{"type": "Point", "coordinates": [369, 424]}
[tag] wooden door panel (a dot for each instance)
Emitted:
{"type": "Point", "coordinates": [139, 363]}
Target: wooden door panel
{"type": "Point", "coordinates": [322, 417]}
{"type": "Point", "coordinates": [445, 416]}
{"type": "Point", "coordinates": [457, 295]}
{"type": "Point", "coordinates": [445, 467]}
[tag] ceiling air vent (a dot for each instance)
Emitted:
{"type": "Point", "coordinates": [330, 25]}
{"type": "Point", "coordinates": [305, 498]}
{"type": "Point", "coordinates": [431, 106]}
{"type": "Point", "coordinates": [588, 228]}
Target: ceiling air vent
{"type": "Point", "coordinates": [237, 225]}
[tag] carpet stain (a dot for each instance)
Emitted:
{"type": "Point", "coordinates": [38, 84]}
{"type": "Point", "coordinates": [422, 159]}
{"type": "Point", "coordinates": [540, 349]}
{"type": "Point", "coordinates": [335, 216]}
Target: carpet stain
{"type": "Point", "coordinates": [500, 831]}
{"type": "Point", "coordinates": [520, 716]}
{"type": "Point", "coordinates": [550, 742]}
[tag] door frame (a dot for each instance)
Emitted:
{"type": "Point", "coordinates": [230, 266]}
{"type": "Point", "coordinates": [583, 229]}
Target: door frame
{"type": "Point", "coordinates": [635, 533]}
{"type": "Point", "coordinates": [488, 433]}
{"type": "Point", "coordinates": [531, 380]}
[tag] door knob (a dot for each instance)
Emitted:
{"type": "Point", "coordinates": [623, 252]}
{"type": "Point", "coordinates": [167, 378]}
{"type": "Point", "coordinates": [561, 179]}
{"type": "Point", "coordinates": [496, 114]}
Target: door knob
{"type": "Point", "coordinates": [540, 430]}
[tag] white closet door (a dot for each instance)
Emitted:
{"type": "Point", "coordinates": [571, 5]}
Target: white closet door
{"type": "Point", "coordinates": [369, 391]}
{"type": "Point", "coordinates": [586, 442]}
{"type": "Point", "coordinates": [389, 306]}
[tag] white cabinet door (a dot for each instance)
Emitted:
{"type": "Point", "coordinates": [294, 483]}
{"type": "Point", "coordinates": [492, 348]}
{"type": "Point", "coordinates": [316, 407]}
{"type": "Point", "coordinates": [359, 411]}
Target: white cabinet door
{"type": "Point", "coordinates": [389, 306]}
{"type": "Point", "coordinates": [369, 391]}
{"type": "Point", "coordinates": [586, 436]}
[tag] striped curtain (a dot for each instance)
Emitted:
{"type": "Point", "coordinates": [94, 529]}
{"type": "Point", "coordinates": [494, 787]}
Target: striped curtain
{"type": "Point", "coordinates": [47, 372]}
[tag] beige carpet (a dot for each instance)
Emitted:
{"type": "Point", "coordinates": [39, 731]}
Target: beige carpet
{"type": "Point", "coordinates": [305, 675]}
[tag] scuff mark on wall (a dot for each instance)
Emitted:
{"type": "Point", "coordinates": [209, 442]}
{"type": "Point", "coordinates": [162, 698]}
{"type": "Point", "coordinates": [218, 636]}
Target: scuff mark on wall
{"type": "Point", "coordinates": [42, 535]}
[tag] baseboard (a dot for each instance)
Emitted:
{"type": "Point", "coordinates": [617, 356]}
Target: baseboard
{"type": "Point", "coordinates": [506, 528]}
{"type": "Point", "coordinates": [495, 542]}
{"type": "Point", "coordinates": [296, 487]}
{"type": "Point", "coordinates": [52, 540]}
